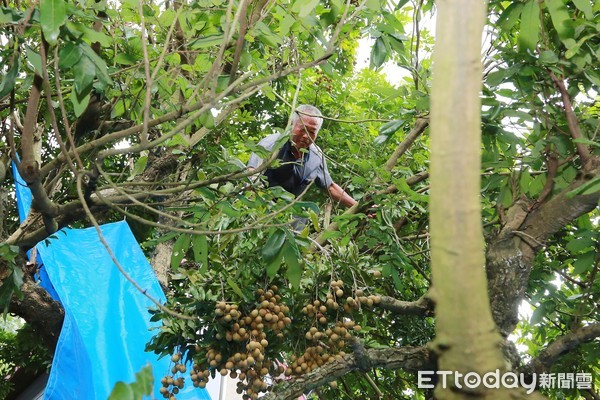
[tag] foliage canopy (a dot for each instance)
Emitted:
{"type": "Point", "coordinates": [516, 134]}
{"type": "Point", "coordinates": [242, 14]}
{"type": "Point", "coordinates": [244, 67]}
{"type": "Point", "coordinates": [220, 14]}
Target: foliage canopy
{"type": "Point", "coordinates": [149, 111]}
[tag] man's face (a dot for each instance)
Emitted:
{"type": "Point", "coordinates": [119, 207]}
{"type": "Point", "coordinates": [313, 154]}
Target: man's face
{"type": "Point", "coordinates": [305, 131]}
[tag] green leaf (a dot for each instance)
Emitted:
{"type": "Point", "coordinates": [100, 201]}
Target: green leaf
{"type": "Point", "coordinates": [274, 265]}
{"type": "Point", "coordinates": [388, 129]}
{"type": "Point", "coordinates": [84, 72]}
{"type": "Point", "coordinates": [6, 292]}
{"type": "Point", "coordinates": [101, 67]}
{"type": "Point", "coordinates": [584, 263]}
{"type": "Point", "coordinates": [69, 55]}
{"type": "Point", "coordinates": [510, 16]}
{"type": "Point", "coordinates": [294, 269]}
{"type": "Point", "coordinates": [80, 103]}
{"type": "Point", "coordinates": [378, 53]}
{"type": "Point", "coordinates": [579, 244]}
{"type": "Point", "coordinates": [304, 7]}
{"type": "Point", "coordinates": [200, 248]}
{"type": "Point", "coordinates": [8, 83]}
{"type": "Point", "coordinates": [592, 76]}
{"type": "Point", "coordinates": [207, 120]}
{"type": "Point", "coordinates": [314, 218]}
{"type": "Point", "coordinates": [10, 16]}
{"type": "Point", "coordinates": [589, 187]}
{"type": "Point", "coordinates": [530, 26]}
{"type": "Point", "coordinates": [374, 5]}
{"type": "Point", "coordinates": [496, 77]}
{"type": "Point", "coordinates": [537, 185]}
{"type": "Point", "coordinates": [586, 7]}
{"type": "Point", "coordinates": [207, 41]}
{"type": "Point", "coordinates": [397, 43]}
{"type": "Point", "coordinates": [235, 288]}
{"type": "Point", "coordinates": [573, 49]}
{"type": "Point", "coordinates": [548, 57]}
{"type": "Point", "coordinates": [122, 391]}
{"type": "Point", "coordinates": [267, 36]}
{"type": "Point", "coordinates": [587, 142]}
{"type": "Point", "coordinates": [53, 14]}
{"type": "Point", "coordinates": [273, 246]}
{"type": "Point", "coordinates": [125, 59]}
{"type": "Point", "coordinates": [17, 275]}
{"type": "Point", "coordinates": [145, 379]}
{"type": "Point", "coordinates": [182, 244]}
{"type": "Point", "coordinates": [35, 60]}
{"type": "Point", "coordinates": [560, 18]}
{"type": "Point", "coordinates": [94, 36]}
{"type": "Point", "coordinates": [506, 197]}
{"type": "Point", "coordinates": [138, 167]}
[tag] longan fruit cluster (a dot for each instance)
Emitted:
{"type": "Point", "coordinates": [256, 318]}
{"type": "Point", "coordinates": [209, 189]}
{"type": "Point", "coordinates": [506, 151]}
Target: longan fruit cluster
{"type": "Point", "coordinates": [170, 384]}
{"type": "Point", "coordinates": [313, 357]}
{"type": "Point", "coordinates": [328, 337]}
{"type": "Point", "coordinates": [244, 357]}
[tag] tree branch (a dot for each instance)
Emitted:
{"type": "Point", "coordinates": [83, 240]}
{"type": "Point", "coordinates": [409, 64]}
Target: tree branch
{"type": "Point", "coordinates": [40, 310]}
{"type": "Point", "coordinates": [563, 345]}
{"type": "Point", "coordinates": [410, 359]}
{"type": "Point", "coordinates": [29, 167]}
{"type": "Point", "coordinates": [362, 206]}
{"type": "Point", "coordinates": [582, 150]}
{"type": "Point", "coordinates": [510, 256]}
{"type": "Point", "coordinates": [416, 131]}
{"type": "Point", "coordinates": [422, 307]}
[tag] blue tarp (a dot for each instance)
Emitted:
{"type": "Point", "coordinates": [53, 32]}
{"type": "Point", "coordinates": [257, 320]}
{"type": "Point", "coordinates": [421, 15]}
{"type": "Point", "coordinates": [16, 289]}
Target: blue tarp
{"type": "Point", "coordinates": [106, 319]}
{"type": "Point", "coordinates": [107, 323]}
{"type": "Point", "coordinates": [24, 200]}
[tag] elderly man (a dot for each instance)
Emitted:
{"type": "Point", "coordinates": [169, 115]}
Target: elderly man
{"type": "Point", "coordinates": [301, 161]}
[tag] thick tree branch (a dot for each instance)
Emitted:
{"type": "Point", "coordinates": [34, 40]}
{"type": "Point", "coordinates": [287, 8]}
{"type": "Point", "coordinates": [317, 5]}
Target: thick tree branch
{"type": "Point", "coordinates": [561, 346]}
{"type": "Point", "coordinates": [410, 359]}
{"type": "Point", "coordinates": [511, 252]}
{"type": "Point", "coordinates": [422, 307]}
{"type": "Point", "coordinates": [29, 167]}
{"type": "Point", "coordinates": [562, 209]}
{"type": "Point", "coordinates": [43, 313]}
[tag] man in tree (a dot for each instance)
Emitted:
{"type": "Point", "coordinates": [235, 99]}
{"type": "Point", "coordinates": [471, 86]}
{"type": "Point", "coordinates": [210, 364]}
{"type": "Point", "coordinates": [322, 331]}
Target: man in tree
{"type": "Point", "coordinates": [301, 161]}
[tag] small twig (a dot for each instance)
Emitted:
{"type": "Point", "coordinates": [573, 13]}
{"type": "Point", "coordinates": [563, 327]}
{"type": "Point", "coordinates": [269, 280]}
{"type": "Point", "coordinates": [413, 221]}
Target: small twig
{"type": "Point", "coordinates": [64, 111]}
{"type": "Point", "coordinates": [373, 385]}
{"type": "Point", "coordinates": [529, 239]}
{"type": "Point", "coordinates": [568, 278]}
{"type": "Point", "coordinates": [48, 90]}
{"type": "Point", "coordinates": [418, 129]}
{"type": "Point", "coordinates": [552, 162]}
{"type": "Point", "coordinates": [148, 98]}
{"type": "Point", "coordinates": [573, 124]}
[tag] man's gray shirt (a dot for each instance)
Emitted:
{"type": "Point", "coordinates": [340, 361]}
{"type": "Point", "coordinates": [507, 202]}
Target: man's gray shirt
{"type": "Point", "coordinates": [294, 174]}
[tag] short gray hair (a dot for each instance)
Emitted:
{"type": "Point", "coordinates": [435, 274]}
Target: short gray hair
{"type": "Point", "coordinates": [309, 111]}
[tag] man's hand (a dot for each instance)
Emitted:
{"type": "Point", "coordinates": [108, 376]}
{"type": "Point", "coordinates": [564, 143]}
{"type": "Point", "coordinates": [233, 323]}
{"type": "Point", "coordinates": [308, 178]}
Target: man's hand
{"type": "Point", "coordinates": [338, 194]}
{"type": "Point", "coordinates": [371, 212]}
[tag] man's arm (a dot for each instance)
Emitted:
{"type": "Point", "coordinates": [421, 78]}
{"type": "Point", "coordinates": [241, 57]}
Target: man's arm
{"type": "Point", "coordinates": [338, 194]}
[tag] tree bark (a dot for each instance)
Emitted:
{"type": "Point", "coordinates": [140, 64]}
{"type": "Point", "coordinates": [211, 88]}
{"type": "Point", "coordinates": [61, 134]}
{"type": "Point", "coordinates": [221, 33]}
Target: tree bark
{"type": "Point", "coordinates": [511, 252]}
{"type": "Point", "coordinates": [466, 337]}
{"type": "Point", "coordinates": [409, 359]}
{"type": "Point", "coordinates": [40, 311]}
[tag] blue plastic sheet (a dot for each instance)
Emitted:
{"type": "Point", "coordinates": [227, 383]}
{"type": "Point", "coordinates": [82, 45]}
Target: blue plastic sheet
{"type": "Point", "coordinates": [106, 319]}
{"type": "Point", "coordinates": [24, 200]}
{"type": "Point", "coordinates": [107, 324]}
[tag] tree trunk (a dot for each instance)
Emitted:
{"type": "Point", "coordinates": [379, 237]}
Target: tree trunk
{"type": "Point", "coordinates": [466, 336]}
